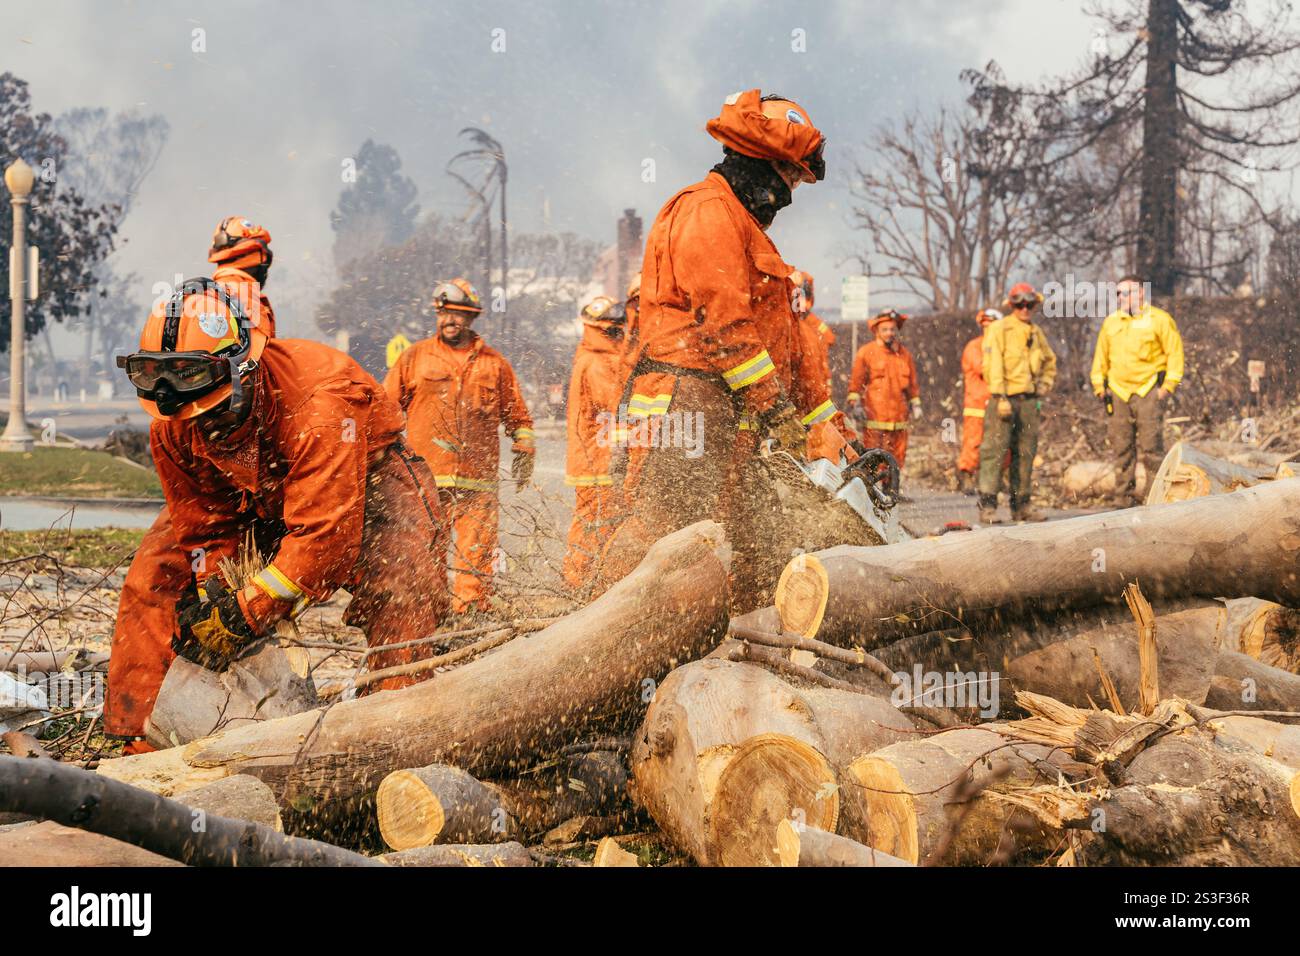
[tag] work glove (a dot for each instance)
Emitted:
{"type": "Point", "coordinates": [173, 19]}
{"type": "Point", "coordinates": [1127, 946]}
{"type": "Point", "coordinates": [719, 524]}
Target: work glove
{"type": "Point", "coordinates": [213, 632]}
{"type": "Point", "coordinates": [1004, 408]}
{"type": "Point", "coordinates": [783, 426]}
{"type": "Point", "coordinates": [521, 468]}
{"type": "Point", "coordinates": [916, 411]}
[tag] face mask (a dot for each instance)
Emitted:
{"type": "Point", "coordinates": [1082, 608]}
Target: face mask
{"type": "Point", "coordinates": [757, 185]}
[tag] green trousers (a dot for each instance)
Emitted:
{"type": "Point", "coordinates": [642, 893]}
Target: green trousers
{"type": "Point", "coordinates": [1019, 434]}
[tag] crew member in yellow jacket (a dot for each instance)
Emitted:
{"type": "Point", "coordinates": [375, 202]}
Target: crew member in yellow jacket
{"type": "Point", "coordinates": [1136, 367]}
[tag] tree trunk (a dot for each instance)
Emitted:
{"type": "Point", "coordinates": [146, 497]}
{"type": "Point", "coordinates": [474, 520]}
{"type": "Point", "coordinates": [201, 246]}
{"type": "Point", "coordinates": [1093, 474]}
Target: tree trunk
{"type": "Point", "coordinates": [1240, 545]}
{"type": "Point", "coordinates": [499, 854]}
{"type": "Point", "coordinates": [807, 846]}
{"type": "Point", "coordinates": [72, 797]}
{"type": "Point", "coordinates": [50, 844]}
{"type": "Point", "coordinates": [439, 804]}
{"type": "Point", "coordinates": [728, 750]}
{"type": "Point", "coordinates": [194, 702]}
{"type": "Point", "coordinates": [1187, 472]}
{"type": "Point", "coordinates": [1281, 742]}
{"type": "Point", "coordinates": [1243, 684]}
{"type": "Point", "coordinates": [492, 715]}
{"type": "Point", "coordinates": [1157, 240]}
{"type": "Point", "coordinates": [913, 788]}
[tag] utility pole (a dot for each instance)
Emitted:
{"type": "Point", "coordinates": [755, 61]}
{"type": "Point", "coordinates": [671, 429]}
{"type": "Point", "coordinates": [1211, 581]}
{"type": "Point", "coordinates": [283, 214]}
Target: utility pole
{"type": "Point", "coordinates": [20, 179]}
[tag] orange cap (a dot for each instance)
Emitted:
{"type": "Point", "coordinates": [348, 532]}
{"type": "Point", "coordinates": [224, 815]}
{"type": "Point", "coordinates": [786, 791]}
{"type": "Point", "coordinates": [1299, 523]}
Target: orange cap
{"type": "Point", "coordinates": [239, 243]}
{"type": "Point", "coordinates": [1019, 290]}
{"type": "Point", "coordinates": [458, 295]}
{"type": "Point", "coordinates": [773, 129]}
{"type": "Point", "coordinates": [891, 315]}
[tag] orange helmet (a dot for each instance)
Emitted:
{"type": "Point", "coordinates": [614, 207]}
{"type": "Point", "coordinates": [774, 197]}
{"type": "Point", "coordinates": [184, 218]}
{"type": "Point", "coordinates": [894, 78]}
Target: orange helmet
{"type": "Point", "coordinates": [457, 296]}
{"type": "Point", "coordinates": [771, 127]}
{"type": "Point", "coordinates": [604, 312]}
{"type": "Point", "coordinates": [987, 316]}
{"type": "Point", "coordinates": [239, 244]}
{"type": "Point", "coordinates": [1022, 293]}
{"type": "Point", "coordinates": [194, 349]}
{"type": "Point", "coordinates": [634, 288]}
{"type": "Point", "coordinates": [890, 315]}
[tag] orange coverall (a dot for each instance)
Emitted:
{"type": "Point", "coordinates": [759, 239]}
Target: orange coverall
{"type": "Point", "coordinates": [158, 574]}
{"type": "Point", "coordinates": [886, 381]}
{"type": "Point", "coordinates": [593, 404]}
{"type": "Point", "coordinates": [975, 395]}
{"type": "Point", "coordinates": [455, 400]}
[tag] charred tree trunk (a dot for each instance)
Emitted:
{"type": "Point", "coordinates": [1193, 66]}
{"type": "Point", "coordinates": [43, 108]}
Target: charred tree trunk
{"type": "Point", "coordinates": [1157, 240]}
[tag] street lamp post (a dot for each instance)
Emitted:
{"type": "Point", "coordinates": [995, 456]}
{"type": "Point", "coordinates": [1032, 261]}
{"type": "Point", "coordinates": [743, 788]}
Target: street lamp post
{"type": "Point", "coordinates": [20, 179]}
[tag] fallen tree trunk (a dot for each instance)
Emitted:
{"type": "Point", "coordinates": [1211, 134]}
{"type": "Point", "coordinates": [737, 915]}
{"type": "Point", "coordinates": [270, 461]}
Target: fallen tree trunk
{"type": "Point", "coordinates": [51, 844]}
{"type": "Point", "coordinates": [728, 750]}
{"type": "Point", "coordinates": [929, 800]}
{"type": "Point", "coordinates": [1188, 472]}
{"type": "Point", "coordinates": [440, 804]}
{"type": "Point", "coordinates": [808, 846]}
{"type": "Point", "coordinates": [72, 797]}
{"type": "Point", "coordinates": [1280, 742]}
{"type": "Point", "coordinates": [1243, 684]}
{"type": "Point", "coordinates": [492, 715]}
{"type": "Point", "coordinates": [498, 854]}
{"type": "Point", "coordinates": [194, 702]}
{"type": "Point", "coordinates": [1246, 544]}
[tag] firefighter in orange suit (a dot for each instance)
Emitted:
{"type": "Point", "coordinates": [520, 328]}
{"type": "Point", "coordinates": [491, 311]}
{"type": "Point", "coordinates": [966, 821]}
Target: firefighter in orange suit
{"type": "Point", "coordinates": [592, 433]}
{"type": "Point", "coordinates": [884, 386]}
{"type": "Point", "coordinates": [457, 391]}
{"type": "Point", "coordinates": [291, 441]}
{"type": "Point", "coordinates": [714, 340]}
{"type": "Point", "coordinates": [241, 251]}
{"type": "Point", "coordinates": [975, 395]}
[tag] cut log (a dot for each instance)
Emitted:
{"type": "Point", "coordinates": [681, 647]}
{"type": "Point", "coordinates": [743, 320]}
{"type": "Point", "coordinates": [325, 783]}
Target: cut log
{"type": "Point", "coordinates": [728, 750]}
{"type": "Point", "coordinates": [50, 844]}
{"type": "Point", "coordinates": [609, 853]}
{"type": "Point", "coordinates": [73, 797]}
{"type": "Point", "coordinates": [440, 804]}
{"type": "Point", "coordinates": [1188, 472]}
{"type": "Point", "coordinates": [499, 854]}
{"type": "Point", "coordinates": [242, 796]}
{"type": "Point", "coordinates": [912, 789]}
{"type": "Point", "coordinates": [1189, 803]}
{"type": "Point", "coordinates": [1246, 544]}
{"type": "Point", "coordinates": [1265, 631]}
{"type": "Point", "coordinates": [194, 702]}
{"type": "Point", "coordinates": [490, 716]}
{"type": "Point", "coordinates": [1280, 742]}
{"type": "Point", "coordinates": [1093, 478]}
{"type": "Point", "coordinates": [808, 846]}
{"type": "Point", "coordinates": [1244, 684]}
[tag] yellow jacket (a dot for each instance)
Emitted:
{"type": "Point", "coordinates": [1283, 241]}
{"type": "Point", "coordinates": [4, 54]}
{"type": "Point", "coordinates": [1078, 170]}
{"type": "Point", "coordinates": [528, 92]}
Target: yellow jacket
{"type": "Point", "coordinates": [1132, 351]}
{"type": "Point", "coordinates": [1017, 358]}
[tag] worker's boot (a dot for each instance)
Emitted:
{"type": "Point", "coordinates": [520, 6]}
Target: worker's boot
{"type": "Point", "coordinates": [1024, 511]}
{"type": "Point", "coordinates": [966, 483]}
{"type": "Point", "coordinates": [988, 510]}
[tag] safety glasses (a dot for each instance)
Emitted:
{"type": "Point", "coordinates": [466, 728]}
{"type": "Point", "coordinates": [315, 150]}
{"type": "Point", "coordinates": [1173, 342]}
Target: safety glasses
{"type": "Point", "coordinates": [816, 160]}
{"type": "Point", "coordinates": [185, 373]}
{"type": "Point", "coordinates": [1024, 301]}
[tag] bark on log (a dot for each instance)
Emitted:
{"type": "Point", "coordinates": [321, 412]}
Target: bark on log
{"type": "Point", "coordinates": [194, 702]}
{"type": "Point", "coordinates": [728, 750]}
{"type": "Point", "coordinates": [912, 787]}
{"type": "Point", "coordinates": [242, 796]}
{"type": "Point", "coordinates": [1191, 804]}
{"type": "Point", "coordinates": [808, 846]}
{"type": "Point", "coordinates": [1246, 544]}
{"type": "Point", "coordinates": [489, 716]}
{"type": "Point", "coordinates": [1243, 684]}
{"type": "Point", "coordinates": [50, 844]}
{"type": "Point", "coordinates": [1280, 742]}
{"type": "Point", "coordinates": [451, 854]}
{"type": "Point", "coordinates": [62, 793]}
{"type": "Point", "coordinates": [1188, 472]}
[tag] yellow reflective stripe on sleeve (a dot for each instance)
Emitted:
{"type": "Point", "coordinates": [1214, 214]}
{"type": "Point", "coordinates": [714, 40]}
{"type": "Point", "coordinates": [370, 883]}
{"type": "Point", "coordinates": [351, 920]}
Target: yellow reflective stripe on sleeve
{"type": "Point", "coordinates": [819, 414]}
{"type": "Point", "coordinates": [749, 371]}
{"type": "Point", "coordinates": [643, 406]}
{"type": "Point", "coordinates": [887, 426]}
{"type": "Point", "coordinates": [853, 396]}
{"type": "Point", "coordinates": [973, 412]}
{"type": "Point", "coordinates": [747, 423]}
{"type": "Point", "coordinates": [273, 581]}
{"type": "Point", "coordinates": [588, 481]}
{"type": "Point", "coordinates": [523, 434]}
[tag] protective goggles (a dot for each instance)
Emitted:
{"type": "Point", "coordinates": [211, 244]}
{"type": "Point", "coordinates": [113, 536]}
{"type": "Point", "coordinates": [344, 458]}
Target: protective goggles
{"type": "Point", "coordinates": [893, 315]}
{"type": "Point", "coordinates": [816, 160]}
{"type": "Point", "coordinates": [192, 374]}
{"type": "Point", "coordinates": [1024, 301]}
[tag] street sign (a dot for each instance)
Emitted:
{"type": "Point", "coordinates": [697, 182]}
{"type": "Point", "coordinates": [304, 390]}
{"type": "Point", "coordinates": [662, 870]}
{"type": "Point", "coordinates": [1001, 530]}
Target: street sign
{"type": "Point", "coordinates": [855, 298]}
{"type": "Point", "coordinates": [398, 344]}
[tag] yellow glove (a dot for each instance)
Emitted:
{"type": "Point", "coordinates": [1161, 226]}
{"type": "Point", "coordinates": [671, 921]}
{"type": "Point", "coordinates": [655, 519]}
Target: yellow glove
{"type": "Point", "coordinates": [1004, 408]}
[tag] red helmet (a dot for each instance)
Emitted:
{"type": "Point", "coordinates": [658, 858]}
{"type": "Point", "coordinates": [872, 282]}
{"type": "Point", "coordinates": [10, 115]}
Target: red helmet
{"type": "Point", "coordinates": [457, 296]}
{"type": "Point", "coordinates": [1022, 293]}
{"type": "Point", "coordinates": [194, 349]}
{"type": "Point", "coordinates": [771, 127]}
{"type": "Point", "coordinates": [239, 243]}
{"type": "Point", "coordinates": [801, 296]}
{"type": "Point", "coordinates": [887, 315]}
{"type": "Point", "coordinates": [604, 312]}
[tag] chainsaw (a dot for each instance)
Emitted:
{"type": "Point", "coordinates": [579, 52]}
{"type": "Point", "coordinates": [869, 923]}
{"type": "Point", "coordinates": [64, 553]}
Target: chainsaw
{"type": "Point", "coordinates": [868, 485]}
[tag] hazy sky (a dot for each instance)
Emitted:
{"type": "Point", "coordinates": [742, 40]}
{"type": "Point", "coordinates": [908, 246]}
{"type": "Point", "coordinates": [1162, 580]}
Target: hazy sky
{"type": "Point", "coordinates": [583, 93]}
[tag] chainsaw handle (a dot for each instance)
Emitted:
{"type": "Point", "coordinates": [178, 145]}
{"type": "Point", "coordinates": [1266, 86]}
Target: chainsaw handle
{"type": "Point", "coordinates": [868, 463]}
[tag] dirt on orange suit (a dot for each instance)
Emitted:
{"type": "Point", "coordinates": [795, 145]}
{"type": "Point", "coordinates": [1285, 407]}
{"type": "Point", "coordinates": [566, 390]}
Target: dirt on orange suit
{"type": "Point", "coordinates": [594, 389]}
{"type": "Point", "coordinates": [320, 466]}
{"type": "Point", "coordinates": [886, 383]}
{"type": "Point", "coordinates": [455, 401]}
{"type": "Point", "coordinates": [975, 395]}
